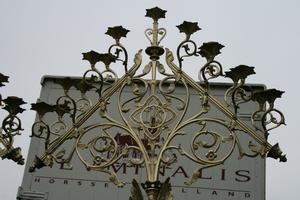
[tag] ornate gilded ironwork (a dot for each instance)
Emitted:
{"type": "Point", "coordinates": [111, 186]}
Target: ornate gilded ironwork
{"type": "Point", "coordinates": [11, 125]}
{"type": "Point", "coordinates": [152, 117]}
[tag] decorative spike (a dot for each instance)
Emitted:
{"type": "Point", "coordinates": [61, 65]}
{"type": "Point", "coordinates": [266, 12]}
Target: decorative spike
{"type": "Point", "coordinates": [155, 13]}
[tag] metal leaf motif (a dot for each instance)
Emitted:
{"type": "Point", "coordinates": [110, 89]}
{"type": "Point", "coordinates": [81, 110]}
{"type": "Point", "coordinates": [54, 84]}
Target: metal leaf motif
{"type": "Point", "coordinates": [276, 153]}
{"type": "Point", "coordinates": [3, 79]}
{"type": "Point", "coordinates": [107, 58]}
{"type": "Point", "coordinates": [136, 193]}
{"type": "Point", "coordinates": [66, 83]}
{"type": "Point", "coordinates": [12, 105]}
{"type": "Point", "coordinates": [155, 13]}
{"type": "Point", "coordinates": [15, 155]}
{"type": "Point", "coordinates": [165, 192]}
{"type": "Point", "coordinates": [269, 96]}
{"type": "Point", "coordinates": [42, 108]}
{"type": "Point", "coordinates": [240, 72]}
{"type": "Point", "coordinates": [92, 56]}
{"type": "Point", "coordinates": [188, 27]}
{"type": "Point", "coordinates": [117, 32]}
{"type": "Point", "coordinates": [83, 86]}
{"type": "Point", "coordinates": [63, 108]}
{"type": "Point", "coordinates": [210, 50]}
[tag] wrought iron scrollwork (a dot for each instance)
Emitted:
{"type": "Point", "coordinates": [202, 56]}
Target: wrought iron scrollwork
{"type": "Point", "coordinates": [209, 50]}
{"type": "Point", "coordinates": [143, 120]}
{"type": "Point", "coordinates": [189, 46]}
{"type": "Point", "coordinates": [11, 125]}
{"type": "Point", "coordinates": [238, 92]}
{"type": "Point", "coordinates": [269, 117]}
{"type": "Point", "coordinates": [212, 69]}
{"type": "Point", "coordinates": [117, 33]}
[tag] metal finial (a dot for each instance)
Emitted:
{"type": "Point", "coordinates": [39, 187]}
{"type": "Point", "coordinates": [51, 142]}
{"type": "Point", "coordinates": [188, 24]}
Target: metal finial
{"type": "Point", "coordinates": [210, 50]}
{"type": "Point", "coordinates": [188, 28]}
{"type": "Point", "coordinates": [3, 79]}
{"type": "Point", "coordinates": [155, 13]}
{"type": "Point", "coordinates": [117, 32]}
{"type": "Point", "coordinates": [240, 72]}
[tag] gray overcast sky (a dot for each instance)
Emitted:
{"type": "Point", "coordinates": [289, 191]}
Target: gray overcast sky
{"type": "Point", "coordinates": [47, 37]}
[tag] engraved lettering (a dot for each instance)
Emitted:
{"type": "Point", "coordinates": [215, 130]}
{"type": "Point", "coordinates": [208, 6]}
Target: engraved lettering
{"type": "Point", "coordinates": [243, 175]}
{"type": "Point", "coordinates": [37, 179]}
{"type": "Point", "coordinates": [117, 168]}
{"type": "Point", "coordinates": [231, 194]}
{"type": "Point", "coordinates": [223, 175]}
{"type": "Point", "coordinates": [180, 170]}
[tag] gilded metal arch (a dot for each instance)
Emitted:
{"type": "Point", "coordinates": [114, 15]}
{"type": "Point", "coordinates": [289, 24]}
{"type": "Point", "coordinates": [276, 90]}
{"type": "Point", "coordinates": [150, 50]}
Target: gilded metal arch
{"type": "Point", "coordinates": [153, 116]}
